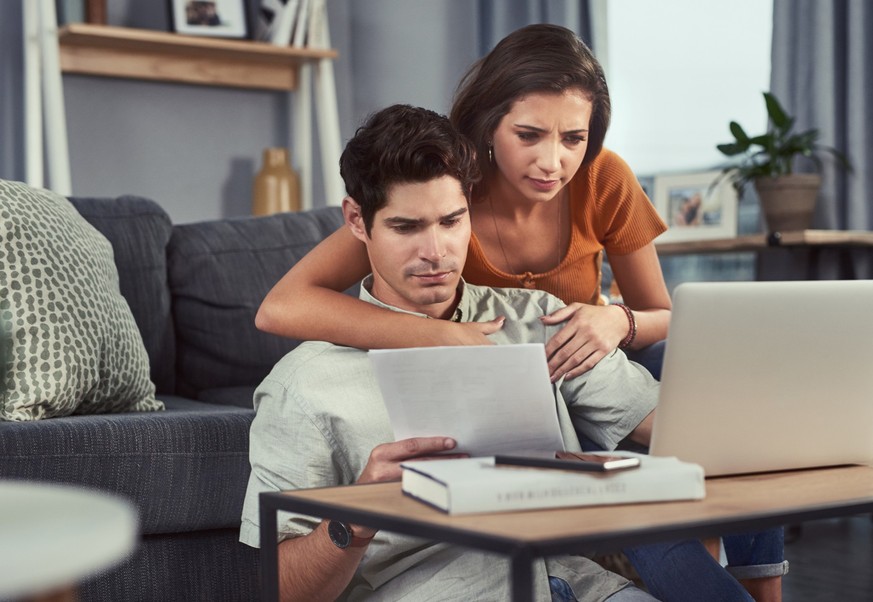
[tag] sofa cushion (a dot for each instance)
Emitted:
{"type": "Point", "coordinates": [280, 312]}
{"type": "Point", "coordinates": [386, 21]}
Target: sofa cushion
{"type": "Point", "coordinates": [70, 342]}
{"type": "Point", "coordinates": [220, 272]}
{"type": "Point", "coordinates": [139, 230]}
{"type": "Point", "coordinates": [185, 469]}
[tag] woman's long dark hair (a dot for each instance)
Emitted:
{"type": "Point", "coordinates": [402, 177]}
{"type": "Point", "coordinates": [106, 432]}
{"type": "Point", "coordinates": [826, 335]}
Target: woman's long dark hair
{"type": "Point", "coordinates": [537, 58]}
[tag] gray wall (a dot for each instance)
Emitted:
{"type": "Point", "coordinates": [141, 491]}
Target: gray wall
{"type": "Point", "coordinates": [195, 149]}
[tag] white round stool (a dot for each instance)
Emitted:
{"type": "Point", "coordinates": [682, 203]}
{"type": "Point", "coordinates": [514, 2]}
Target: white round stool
{"type": "Point", "coordinates": [52, 536]}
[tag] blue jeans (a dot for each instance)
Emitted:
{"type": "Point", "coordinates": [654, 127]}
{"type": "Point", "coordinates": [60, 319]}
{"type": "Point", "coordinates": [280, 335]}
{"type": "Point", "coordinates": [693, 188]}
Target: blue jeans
{"type": "Point", "coordinates": [685, 571]}
{"type": "Point", "coordinates": [651, 358]}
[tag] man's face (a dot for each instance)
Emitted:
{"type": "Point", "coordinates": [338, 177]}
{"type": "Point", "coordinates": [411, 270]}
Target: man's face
{"type": "Point", "coordinates": [417, 245]}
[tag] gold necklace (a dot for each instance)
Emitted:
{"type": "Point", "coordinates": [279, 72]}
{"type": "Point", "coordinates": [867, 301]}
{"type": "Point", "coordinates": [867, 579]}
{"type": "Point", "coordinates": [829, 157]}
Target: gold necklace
{"type": "Point", "coordinates": [523, 278]}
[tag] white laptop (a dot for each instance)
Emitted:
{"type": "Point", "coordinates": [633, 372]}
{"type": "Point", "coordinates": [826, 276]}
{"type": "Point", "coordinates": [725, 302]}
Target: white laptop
{"type": "Point", "coordinates": [765, 376]}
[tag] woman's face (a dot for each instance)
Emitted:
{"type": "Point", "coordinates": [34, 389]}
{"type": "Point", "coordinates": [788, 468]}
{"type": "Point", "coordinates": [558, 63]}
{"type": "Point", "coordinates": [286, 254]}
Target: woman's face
{"type": "Point", "coordinates": [539, 145]}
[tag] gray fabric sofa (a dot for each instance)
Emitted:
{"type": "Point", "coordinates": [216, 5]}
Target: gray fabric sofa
{"type": "Point", "coordinates": [193, 290]}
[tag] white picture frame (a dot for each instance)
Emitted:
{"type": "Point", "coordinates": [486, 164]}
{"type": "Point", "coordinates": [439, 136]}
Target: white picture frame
{"type": "Point", "coordinates": [211, 18]}
{"type": "Point", "coordinates": [695, 207]}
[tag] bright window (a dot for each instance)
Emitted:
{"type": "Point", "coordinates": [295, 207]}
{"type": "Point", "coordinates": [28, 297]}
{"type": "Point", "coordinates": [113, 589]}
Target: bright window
{"type": "Point", "coordinates": [679, 71]}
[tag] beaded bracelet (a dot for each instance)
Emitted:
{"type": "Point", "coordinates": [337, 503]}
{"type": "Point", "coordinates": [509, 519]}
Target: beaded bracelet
{"type": "Point", "coordinates": [632, 327]}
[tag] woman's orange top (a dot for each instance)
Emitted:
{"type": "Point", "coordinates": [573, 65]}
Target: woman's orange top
{"type": "Point", "coordinates": [609, 210]}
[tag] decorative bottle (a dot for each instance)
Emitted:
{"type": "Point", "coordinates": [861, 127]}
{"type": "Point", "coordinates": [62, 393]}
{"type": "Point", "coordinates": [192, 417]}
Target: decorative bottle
{"type": "Point", "coordinates": [276, 187]}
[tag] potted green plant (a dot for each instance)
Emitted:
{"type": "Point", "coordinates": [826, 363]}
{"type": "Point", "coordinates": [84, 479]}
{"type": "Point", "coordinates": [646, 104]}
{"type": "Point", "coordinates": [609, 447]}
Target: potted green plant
{"type": "Point", "coordinates": [768, 161]}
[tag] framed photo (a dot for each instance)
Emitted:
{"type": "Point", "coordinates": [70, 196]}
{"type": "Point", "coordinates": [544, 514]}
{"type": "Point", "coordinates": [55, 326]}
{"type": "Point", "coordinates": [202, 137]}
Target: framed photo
{"type": "Point", "coordinates": [214, 18]}
{"type": "Point", "coordinates": [695, 208]}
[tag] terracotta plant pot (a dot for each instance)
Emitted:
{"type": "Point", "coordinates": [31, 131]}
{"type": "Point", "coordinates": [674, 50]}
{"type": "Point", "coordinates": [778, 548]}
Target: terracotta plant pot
{"type": "Point", "coordinates": [788, 202]}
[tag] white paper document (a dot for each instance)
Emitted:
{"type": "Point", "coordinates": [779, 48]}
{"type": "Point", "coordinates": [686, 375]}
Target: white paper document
{"type": "Point", "coordinates": [491, 399]}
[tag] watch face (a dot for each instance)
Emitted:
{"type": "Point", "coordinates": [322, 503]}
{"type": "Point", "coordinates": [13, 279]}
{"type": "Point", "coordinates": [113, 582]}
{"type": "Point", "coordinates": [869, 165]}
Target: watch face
{"type": "Point", "coordinates": [340, 534]}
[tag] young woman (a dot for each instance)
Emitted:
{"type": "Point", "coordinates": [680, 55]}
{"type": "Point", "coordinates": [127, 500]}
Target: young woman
{"type": "Point", "coordinates": [551, 199]}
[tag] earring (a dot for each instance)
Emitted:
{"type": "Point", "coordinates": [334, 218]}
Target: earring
{"type": "Point", "coordinates": [490, 154]}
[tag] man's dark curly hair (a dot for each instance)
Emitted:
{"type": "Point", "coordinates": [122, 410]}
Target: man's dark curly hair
{"type": "Point", "coordinates": [403, 144]}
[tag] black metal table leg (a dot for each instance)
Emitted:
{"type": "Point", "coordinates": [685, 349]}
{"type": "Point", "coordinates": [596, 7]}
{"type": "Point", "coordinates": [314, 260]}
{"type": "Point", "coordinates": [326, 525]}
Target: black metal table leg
{"type": "Point", "coordinates": [269, 551]}
{"type": "Point", "coordinates": [522, 575]}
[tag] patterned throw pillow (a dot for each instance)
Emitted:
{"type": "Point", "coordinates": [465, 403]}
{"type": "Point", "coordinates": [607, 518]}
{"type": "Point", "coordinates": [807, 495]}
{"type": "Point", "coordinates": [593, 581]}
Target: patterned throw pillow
{"type": "Point", "coordinates": [69, 341]}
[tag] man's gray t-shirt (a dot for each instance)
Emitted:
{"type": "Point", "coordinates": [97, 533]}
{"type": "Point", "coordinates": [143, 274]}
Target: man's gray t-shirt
{"type": "Point", "coordinates": [320, 413]}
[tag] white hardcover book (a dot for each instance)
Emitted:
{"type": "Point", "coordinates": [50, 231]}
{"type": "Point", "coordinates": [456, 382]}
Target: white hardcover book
{"type": "Point", "coordinates": [299, 38]}
{"type": "Point", "coordinates": [315, 38]}
{"type": "Point", "coordinates": [283, 24]}
{"type": "Point", "coordinates": [472, 485]}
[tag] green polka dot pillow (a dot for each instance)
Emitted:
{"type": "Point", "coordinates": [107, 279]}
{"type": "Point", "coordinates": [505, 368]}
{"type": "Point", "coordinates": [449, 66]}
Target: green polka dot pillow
{"type": "Point", "coordinates": [68, 341]}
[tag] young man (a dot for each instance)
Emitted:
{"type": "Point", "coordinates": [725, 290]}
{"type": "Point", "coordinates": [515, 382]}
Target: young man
{"type": "Point", "coordinates": [321, 420]}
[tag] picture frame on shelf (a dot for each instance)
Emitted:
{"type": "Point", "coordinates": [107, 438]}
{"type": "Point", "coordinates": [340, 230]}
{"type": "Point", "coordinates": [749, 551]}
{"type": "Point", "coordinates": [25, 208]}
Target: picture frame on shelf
{"type": "Point", "coordinates": [696, 206]}
{"type": "Point", "coordinates": [211, 18]}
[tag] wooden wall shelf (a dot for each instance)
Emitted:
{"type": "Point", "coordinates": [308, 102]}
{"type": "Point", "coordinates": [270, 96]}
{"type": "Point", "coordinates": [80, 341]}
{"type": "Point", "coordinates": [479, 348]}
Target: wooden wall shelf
{"type": "Point", "coordinates": [109, 51]}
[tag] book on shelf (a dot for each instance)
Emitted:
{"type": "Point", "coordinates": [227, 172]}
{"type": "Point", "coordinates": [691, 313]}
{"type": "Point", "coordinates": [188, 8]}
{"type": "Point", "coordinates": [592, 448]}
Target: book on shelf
{"type": "Point", "coordinates": [298, 39]}
{"type": "Point", "coordinates": [283, 23]}
{"type": "Point", "coordinates": [473, 485]}
{"type": "Point", "coordinates": [298, 23]}
{"type": "Point", "coordinates": [317, 36]}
